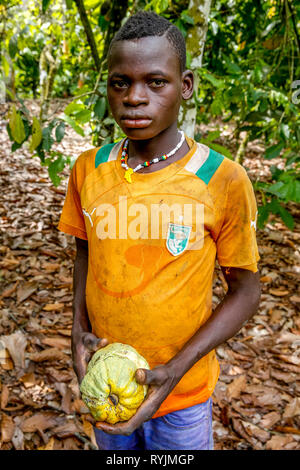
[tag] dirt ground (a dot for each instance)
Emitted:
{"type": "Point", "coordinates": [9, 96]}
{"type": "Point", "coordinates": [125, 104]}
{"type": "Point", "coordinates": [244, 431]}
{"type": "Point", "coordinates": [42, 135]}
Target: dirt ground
{"type": "Point", "coordinates": [256, 401]}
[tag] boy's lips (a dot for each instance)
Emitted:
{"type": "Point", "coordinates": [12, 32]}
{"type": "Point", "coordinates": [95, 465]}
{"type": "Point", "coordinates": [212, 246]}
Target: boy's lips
{"type": "Point", "coordinates": [136, 122]}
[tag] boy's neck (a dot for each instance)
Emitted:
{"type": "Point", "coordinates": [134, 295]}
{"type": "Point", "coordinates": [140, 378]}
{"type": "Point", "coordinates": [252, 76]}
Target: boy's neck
{"type": "Point", "coordinates": [140, 151]}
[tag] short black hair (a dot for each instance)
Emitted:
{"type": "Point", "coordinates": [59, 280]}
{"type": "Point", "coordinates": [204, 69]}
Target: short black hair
{"type": "Point", "coordinates": [147, 23]}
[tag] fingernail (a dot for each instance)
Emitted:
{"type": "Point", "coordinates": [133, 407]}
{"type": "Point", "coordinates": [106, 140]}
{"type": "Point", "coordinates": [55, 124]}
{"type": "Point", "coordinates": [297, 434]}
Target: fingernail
{"type": "Point", "coordinates": [140, 375]}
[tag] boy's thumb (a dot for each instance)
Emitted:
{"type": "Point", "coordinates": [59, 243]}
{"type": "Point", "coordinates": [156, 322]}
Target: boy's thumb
{"type": "Point", "coordinates": [99, 343]}
{"type": "Point", "coordinates": [148, 376]}
{"type": "Point", "coordinates": [93, 343]}
{"type": "Point", "coordinates": [141, 376]}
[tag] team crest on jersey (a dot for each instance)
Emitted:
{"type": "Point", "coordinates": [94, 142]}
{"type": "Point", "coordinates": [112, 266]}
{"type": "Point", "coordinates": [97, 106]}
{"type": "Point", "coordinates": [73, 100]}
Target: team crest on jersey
{"type": "Point", "coordinates": [177, 238]}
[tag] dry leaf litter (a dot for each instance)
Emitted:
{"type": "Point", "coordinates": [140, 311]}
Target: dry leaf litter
{"type": "Point", "coordinates": [256, 401]}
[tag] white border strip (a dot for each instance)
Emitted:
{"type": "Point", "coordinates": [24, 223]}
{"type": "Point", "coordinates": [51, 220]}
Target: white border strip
{"type": "Point", "coordinates": [198, 159]}
{"type": "Point", "coordinates": [115, 150]}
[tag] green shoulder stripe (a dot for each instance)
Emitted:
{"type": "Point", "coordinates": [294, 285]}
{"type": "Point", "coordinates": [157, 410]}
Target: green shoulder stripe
{"type": "Point", "coordinates": [103, 154]}
{"type": "Point", "coordinates": [210, 166]}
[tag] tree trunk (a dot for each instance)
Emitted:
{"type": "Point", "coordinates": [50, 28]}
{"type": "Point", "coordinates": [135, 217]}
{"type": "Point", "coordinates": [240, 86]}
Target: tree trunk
{"type": "Point", "coordinates": [48, 66]}
{"type": "Point", "coordinates": [89, 33]}
{"type": "Point", "coordinates": [239, 158]}
{"type": "Point", "coordinates": [199, 11]}
{"type": "Point", "coordinates": [114, 12]}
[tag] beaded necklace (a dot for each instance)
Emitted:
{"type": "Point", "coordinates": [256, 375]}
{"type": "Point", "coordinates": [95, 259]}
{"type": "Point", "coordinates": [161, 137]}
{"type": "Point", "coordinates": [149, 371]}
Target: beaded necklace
{"type": "Point", "coordinates": [129, 171]}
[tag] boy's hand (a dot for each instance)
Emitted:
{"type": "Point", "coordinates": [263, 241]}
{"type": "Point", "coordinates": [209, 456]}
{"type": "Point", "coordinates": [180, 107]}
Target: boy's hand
{"type": "Point", "coordinates": [84, 346]}
{"type": "Point", "coordinates": [161, 381]}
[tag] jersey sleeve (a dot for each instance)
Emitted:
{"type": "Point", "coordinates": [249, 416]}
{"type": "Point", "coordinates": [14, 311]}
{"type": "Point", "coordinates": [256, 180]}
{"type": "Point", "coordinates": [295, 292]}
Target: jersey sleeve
{"type": "Point", "coordinates": [236, 243]}
{"type": "Point", "coordinates": [72, 219]}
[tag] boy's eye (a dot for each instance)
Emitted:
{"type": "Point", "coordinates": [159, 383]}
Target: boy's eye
{"type": "Point", "coordinates": [119, 84]}
{"type": "Point", "coordinates": [157, 82]}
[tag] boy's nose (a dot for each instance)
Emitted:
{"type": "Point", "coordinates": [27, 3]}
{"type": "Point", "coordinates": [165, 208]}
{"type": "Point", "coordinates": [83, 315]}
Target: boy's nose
{"type": "Point", "coordinates": [136, 95]}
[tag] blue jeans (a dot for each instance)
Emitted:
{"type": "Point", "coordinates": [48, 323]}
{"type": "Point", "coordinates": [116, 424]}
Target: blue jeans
{"type": "Point", "coordinates": [187, 429]}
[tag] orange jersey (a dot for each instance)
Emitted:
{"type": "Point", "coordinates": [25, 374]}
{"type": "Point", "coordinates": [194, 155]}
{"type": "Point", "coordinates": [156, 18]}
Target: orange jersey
{"type": "Point", "coordinates": [152, 251]}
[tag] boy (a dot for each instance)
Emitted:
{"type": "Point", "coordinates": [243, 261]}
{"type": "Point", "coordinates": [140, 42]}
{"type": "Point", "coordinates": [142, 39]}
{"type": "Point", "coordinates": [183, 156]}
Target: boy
{"type": "Point", "coordinates": [147, 280]}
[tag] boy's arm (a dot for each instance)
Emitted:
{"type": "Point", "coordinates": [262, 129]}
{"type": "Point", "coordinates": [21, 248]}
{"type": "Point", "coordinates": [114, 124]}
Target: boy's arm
{"type": "Point", "coordinates": [239, 305]}
{"type": "Point", "coordinates": [80, 319]}
{"type": "Point", "coordinates": [84, 343]}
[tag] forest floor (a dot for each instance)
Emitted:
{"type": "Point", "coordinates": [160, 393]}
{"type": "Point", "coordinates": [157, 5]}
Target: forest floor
{"type": "Point", "coordinates": [256, 400]}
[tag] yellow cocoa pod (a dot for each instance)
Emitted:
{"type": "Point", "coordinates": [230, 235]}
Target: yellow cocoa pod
{"type": "Point", "coordinates": [109, 388]}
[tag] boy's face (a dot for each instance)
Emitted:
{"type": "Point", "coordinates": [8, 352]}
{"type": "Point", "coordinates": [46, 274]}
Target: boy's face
{"type": "Point", "coordinates": [145, 86]}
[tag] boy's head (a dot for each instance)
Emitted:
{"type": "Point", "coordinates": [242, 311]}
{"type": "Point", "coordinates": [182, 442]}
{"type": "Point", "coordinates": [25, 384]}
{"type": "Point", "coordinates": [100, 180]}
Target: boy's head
{"type": "Point", "coordinates": [147, 76]}
{"type": "Point", "coordinates": [144, 24]}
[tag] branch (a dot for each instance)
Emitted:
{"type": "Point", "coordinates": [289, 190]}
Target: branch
{"type": "Point", "coordinates": [88, 31]}
{"type": "Point", "coordinates": [241, 150]}
{"type": "Point", "coordinates": [115, 15]}
{"type": "Point", "coordinates": [292, 11]}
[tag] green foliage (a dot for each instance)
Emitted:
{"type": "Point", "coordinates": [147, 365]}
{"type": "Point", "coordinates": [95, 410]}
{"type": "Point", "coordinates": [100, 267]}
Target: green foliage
{"type": "Point", "coordinates": [37, 134]}
{"type": "Point", "coordinates": [16, 126]}
{"type": "Point", "coordinates": [60, 131]}
{"type": "Point", "coordinates": [250, 67]}
{"type": "Point", "coordinates": [22, 128]}
{"type": "Point", "coordinates": [45, 5]}
{"type": "Point", "coordinates": [26, 33]}
{"type": "Point", "coordinates": [286, 188]}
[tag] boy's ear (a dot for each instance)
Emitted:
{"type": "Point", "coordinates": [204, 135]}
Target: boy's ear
{"type": "Point", "coordinates": [187, 84]}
